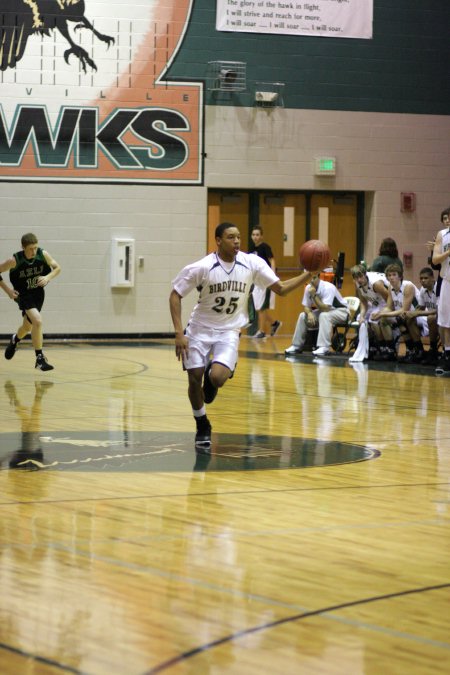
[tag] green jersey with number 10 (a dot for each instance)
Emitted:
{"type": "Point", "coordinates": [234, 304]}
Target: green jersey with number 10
{"type": "Point", "coordinates": [24, 276]}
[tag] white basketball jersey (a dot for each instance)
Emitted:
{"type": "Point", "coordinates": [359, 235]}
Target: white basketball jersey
{"type": "Point", "coordinates": [223, 288]}
{"type": "Point", "coordinates": [445, 268]}
{"type": "Point", "coordinates": [427, 298]}
{"type": "Point", "coordinates": [397, 296]}
{"type": "Point", "coordinates": [373, 298]}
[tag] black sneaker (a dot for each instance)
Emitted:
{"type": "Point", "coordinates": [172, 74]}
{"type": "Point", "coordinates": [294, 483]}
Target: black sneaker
{"type": "Point", "coordinates": [209, 391]}
{"type": "Point", "coordinates": [387, 354]}
{"type": "Point", "coordinates": [373, 353]}
{"type": "Point", "coordinates": [203, 435]}
{"type": "Point", "coordinates": [443, 367]}
{"type": "Point", "coordinates": [419, 355]}
{"type": "Point", "coordinates": [10, 349]}
{"type": "Point", "coordinates": [275, 327]}
{"type": "Point", "coordinates": [42, 363]}
{"type": "Point", "coordinates": [408, 357]}
{"type": "Point", "coordinates": [431, 357]}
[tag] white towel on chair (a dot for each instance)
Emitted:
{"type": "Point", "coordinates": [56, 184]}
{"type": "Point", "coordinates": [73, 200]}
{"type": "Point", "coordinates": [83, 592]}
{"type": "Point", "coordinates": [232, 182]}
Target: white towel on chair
{"type": "Point", "coordinates": [362, 351]}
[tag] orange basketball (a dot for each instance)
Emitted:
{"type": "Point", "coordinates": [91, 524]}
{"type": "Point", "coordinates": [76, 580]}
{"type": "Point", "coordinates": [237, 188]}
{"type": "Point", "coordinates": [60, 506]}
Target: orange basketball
{"type": "Point", "coordinates": [314, 255]}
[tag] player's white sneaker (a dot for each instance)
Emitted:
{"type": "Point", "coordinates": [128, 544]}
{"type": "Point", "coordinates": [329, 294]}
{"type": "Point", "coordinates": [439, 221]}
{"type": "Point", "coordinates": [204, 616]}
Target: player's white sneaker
{"type": "Point", "coordinates": [293, 350]}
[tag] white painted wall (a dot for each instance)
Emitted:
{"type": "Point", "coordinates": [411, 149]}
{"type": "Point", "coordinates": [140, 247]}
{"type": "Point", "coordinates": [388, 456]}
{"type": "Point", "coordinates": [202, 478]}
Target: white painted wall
{"type": "Point", "coordinates": [77, 223]}
{"type": "Point", "coordinates": [382, 154]}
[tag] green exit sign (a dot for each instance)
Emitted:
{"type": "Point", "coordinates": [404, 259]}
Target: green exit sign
{"type": "Point", "coordinates": [325, 166]}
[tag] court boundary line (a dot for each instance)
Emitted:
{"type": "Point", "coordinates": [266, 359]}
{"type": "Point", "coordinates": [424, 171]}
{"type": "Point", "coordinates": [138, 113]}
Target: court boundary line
{"type": "Point", "coordinates": [40, 659]}
{"type": "Point", "coordinates": [278, 622]}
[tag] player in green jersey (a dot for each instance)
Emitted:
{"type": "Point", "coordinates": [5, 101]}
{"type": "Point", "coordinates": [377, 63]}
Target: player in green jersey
{"type": "Point", "coordinates": [30, 270]}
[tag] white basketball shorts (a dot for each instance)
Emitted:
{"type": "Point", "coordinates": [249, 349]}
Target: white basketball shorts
{"type": "Point", "coordinates": [210, 344]}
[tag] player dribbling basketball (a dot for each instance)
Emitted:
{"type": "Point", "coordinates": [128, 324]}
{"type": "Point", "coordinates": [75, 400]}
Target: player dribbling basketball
{"type": "Point", "coordinates": [209, 346]}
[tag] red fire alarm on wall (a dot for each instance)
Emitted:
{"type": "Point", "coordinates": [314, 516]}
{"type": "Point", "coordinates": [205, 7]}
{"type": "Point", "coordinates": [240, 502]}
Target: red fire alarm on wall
{"type": "Point", "coordinates": [408, 202]}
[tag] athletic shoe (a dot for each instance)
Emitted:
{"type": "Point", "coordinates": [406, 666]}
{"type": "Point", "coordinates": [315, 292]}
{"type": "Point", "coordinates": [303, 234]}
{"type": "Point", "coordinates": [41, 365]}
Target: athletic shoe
{"type": "Point", "coordinates": [10, 349]}
{"type": "Point", "coordinates": [321, 351]}
{"type": "Point", "coordinates": [209, 391]}
{"type": "Point", "coordinates": [386, 354]}
{"type": "Point", "coordinates": [42, 363]}
{"type": "Point", "coordinates": [431, 357]}
{"type": "Point", "coordinates": [408, 357]}
{"type": "Point", "coordinates": [443, 367]}
{"type": "Point", "coordinates": [419, 355]}
{"type": "Point", "coordinates": [412, 356]}
{"type": "Point", "coordinates": [373, 353]}
{"type": "Point", "coordinates": [293, 350]}
{"type": "Point", "coordinates": [260, 334]}
{"type": "Point", "coordinates": [203, 435]}
{"type": "Point", "coordinates": [275, 327]}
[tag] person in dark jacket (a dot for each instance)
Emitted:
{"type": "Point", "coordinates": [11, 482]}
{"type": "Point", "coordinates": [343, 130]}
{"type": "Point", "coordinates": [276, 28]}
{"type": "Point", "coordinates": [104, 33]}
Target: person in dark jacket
{"type": "Point", "coordinates": [264, 299]}
{"type": "Point", "coordinates": [387, 255]}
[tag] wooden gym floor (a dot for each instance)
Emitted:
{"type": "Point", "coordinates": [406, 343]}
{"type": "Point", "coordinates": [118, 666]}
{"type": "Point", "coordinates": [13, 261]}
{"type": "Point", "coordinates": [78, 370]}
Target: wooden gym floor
{"type": "Point", "coordinates": [314, 540]}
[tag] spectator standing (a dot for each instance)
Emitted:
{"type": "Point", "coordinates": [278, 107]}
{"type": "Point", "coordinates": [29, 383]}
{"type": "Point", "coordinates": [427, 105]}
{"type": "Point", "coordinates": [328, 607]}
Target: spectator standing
{"type": "Point", "coordinates": [264, 299]}
{"type": "Point", "coordinates": [387, 255]}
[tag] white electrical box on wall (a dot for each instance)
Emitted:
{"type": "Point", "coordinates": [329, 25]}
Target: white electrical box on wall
{"type": "Point", "coordinates": [122, 263]}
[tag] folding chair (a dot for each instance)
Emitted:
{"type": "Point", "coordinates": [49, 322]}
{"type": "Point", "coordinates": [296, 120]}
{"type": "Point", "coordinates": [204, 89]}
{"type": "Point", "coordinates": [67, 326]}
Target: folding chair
{"type": "Point", "coordinates": [341, 330]}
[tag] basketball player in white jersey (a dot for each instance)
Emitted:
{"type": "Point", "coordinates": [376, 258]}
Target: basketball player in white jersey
{"type": "Point", "coordinates": [441, 253]}
{"type": "Point", "coordinates": [427, 307]}
{"type": "Point", "coordinates": [209, 345]}
{"type": "Point", "coordinates": [372, 290]}
{"type": "Point", "coordinates": [403, 297]}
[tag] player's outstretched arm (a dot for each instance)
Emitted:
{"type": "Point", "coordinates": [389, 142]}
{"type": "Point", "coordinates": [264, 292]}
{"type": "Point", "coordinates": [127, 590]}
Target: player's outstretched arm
{"type": "Point", "coordinates": [289, 285]}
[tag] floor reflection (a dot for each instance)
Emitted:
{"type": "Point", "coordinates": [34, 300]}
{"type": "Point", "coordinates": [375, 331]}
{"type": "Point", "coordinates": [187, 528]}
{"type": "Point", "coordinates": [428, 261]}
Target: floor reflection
{"type": "Point", "coordinates": [28, 453]}
{"type": "Point", "coordinates": [95, 451]}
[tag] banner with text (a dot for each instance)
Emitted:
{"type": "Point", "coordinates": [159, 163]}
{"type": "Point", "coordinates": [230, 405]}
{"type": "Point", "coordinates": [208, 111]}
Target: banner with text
{"type": "Point", "coordinates": [323, 18]}
{"type": "Point", "coordinates": [95, 105]}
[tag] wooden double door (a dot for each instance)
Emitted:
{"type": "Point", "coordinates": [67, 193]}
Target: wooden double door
{"type": "Point", "coordinates": [288, 220]}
